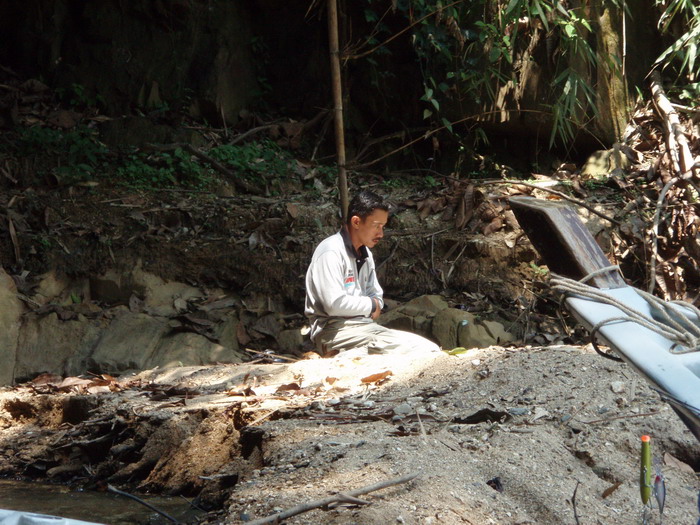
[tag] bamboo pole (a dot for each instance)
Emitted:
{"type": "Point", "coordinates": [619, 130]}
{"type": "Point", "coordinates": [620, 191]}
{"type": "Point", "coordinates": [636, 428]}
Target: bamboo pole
{"type": "Point", "coordinates": [338, 104]}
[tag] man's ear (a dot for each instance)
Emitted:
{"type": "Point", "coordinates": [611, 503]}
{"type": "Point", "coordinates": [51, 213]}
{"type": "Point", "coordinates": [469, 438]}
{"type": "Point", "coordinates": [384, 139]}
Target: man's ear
{"type": "Point", "coordinates": [355, 221]}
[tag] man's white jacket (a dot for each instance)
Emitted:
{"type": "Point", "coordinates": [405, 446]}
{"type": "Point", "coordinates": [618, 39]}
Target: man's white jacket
{"type": "Point", "coordinates": [334, 286]}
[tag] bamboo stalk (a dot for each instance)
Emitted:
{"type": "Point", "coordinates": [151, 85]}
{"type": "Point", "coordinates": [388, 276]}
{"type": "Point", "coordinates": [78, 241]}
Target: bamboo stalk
{"type": "Point", "coordinates": [338, 104]}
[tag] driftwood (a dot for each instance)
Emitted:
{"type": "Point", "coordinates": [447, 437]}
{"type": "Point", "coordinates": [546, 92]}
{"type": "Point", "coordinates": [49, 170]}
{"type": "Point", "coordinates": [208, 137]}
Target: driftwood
{"type": "Point", "coordinates": [682, 162]}
{"type": "Point", "coordinates": [349, 496]}
{"type": "Point", "coordinates": [676, 141]}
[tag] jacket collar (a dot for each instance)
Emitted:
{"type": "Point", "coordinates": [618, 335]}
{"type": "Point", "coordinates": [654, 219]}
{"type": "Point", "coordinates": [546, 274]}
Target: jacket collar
{"type": "Point", "coordinates": [360, 255]}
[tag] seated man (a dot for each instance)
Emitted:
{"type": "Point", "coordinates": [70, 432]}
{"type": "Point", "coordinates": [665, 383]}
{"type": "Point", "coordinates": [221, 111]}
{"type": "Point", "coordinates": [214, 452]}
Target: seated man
{"type": "Point", "coordinates": [343, 297]}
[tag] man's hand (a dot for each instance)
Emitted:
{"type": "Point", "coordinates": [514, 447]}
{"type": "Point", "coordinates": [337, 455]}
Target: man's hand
{"type": "Point", "coordinates": [377, 309]}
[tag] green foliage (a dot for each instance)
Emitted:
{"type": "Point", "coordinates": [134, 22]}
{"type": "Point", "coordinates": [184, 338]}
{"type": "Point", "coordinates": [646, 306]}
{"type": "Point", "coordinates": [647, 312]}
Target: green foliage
{"type": "Point", "coordinates": [257, 162]}
{"type": "Point", "coordinates": [254, 160]}
{"type": "Point", "coordinates": [77, 95]}
{"type": "Point", "coordinates": [690, 94]}
{"type": "Point", "coordinates": [78, 154]}
{"type": "Point", "coordinates": [163, 170]}
{"type": "Point", "coordinates": [539, 271]}
{"type": "Point", "coordinates": [682, 54]}
{"type": "Point", "coordinates": [470, 48]}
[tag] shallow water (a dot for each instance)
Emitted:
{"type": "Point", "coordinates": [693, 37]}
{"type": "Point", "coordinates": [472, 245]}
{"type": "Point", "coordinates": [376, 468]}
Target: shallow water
{"type": "Point", "coordinates": [99, 507]}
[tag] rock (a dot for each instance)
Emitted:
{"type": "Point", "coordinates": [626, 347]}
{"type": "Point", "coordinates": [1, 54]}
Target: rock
{"type": "Point", "coordinates": [414, 316]}
{"type": "Point", "coordinates": [396, 319]}
{"type": "Point", "coordinates": [290, 341]}
{"type": "Point", "coordinates": [128, 342]}
{"type": "Point", "coordinates": [403, 409]}
{"type": "Point", "coordinates": [617, 387]}
{"type": "Point", "coordinates": [189, 348]}
{"type": "Point", "coordinates": [425, 305]}
{"type": "Point", "coordinates": [446, 325]}
{"type": "Point", "coordinates": [604, 162]}
{"type": "Point", "coordinates": [453, 328]}
{"type": "Point", "coordinates": [498, 332]}
{"type": "Point", "coordinates": [56, 289]}
{"type": "Point", "coordinates": [227, 331]}
{"type": "Point", "coordinates": [160, 297]}
{"type": "Point", "coordinates": [10, 311]}
{"type": "Point", "coordinates": [49, 344]}
{"type": "Point", "coordinates": [475, 335]}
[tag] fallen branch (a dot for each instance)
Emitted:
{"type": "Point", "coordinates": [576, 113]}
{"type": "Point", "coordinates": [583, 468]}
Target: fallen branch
{"type": "Point", "coordinates": [237, 181]}
{"type": "Point", "coordinates": [334, 499]}
{"type": "Point", "coordinates": [676, 141]}
{"type": "Point", "coordinates": [250, 132]}
{"type": "Point", "coordinates": [110, 488]}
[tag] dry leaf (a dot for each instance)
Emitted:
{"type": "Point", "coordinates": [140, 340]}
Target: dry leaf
{"type": "Point", "coordinates": [675, 462]}
{"type": "Point", "coordinates": [495, 225]}
{"type": "Point", "coordinates": [293, 210]}
{"type": "Point", "coordinates": [69, 382]}
{"type": "Point", "coordinates": [611, 489]}
{"type": "Point", "coordinates": [465, 207]}
{"type": "Point", "coordinates": [45, 379]}
{"type": "Point", "coordinates": [288, 387]}
{"type": "Point", "coordinates": [242, 335]}
{"type": "Point", "coordinates": [376, 378]}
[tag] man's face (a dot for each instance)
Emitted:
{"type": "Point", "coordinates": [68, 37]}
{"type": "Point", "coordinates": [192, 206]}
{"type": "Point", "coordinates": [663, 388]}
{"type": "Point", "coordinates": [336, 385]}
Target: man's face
{"type": "Point", "coordinates": [367, 232]}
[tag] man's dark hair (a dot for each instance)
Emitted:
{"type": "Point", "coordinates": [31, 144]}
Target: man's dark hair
{"type": "Point", "coordinates": [364, 203]}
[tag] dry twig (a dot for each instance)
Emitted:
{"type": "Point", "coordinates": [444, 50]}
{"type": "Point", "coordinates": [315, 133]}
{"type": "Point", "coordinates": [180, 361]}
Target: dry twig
{"type": "Point", "coordinates": [330, 500]}
{"type": "Point", "coordinates": [573, 502]}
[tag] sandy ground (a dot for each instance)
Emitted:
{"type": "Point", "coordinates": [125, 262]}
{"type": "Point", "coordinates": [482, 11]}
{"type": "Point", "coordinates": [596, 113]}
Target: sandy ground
{"type": "Point", "coordinates": [497, 435]}
{"type": "Point", "coordinates": [561, 444]}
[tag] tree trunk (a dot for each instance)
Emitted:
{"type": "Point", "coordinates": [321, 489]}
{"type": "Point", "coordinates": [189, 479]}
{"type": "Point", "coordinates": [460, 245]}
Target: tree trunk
{"type": "Point", "coordinates": [612, 100]}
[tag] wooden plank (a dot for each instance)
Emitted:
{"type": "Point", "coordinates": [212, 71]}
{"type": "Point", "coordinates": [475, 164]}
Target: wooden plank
{"type": "Point", "coordinates": [563, 241]}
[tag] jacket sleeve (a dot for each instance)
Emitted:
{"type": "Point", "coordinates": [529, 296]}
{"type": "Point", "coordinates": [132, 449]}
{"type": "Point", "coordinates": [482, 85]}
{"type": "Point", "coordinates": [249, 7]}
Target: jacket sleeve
{"type": "Point", "coordinates": [325, 280]}
{"type": "Point", "coordinates": [373, 290]}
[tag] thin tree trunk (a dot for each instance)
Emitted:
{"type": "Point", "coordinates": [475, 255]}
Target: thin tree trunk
{"type": "Point", "coordinates": [338, 104]}
{"type": "Point", "coordinates": [611, 78]}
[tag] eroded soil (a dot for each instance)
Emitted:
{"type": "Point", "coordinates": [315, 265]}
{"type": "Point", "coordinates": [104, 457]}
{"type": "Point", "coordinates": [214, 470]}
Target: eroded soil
{"type": "Point", "coordinates": [497, 435]}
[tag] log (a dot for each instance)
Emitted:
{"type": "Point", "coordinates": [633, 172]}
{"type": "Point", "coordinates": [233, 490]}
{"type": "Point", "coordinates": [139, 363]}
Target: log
{"type": "Point", "coordinates": [676, 141]}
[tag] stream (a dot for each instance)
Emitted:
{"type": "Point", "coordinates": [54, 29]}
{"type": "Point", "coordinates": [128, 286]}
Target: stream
{"type": "Point", "coordinates": [99, 507]}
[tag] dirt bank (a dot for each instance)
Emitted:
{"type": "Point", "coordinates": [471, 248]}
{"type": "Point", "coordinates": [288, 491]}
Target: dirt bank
{"type": "Point", "coordinates": [498, 435]}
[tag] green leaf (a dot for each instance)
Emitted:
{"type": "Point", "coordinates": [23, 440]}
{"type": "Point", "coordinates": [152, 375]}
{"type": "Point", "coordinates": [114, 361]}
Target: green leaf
{"type": "Point", "coordinates": [447, 124]}
{"type": "Point", "coordinates": [435, 103]}
{"type": "Point", "coordinates": [427, 113]}
{"type": "Point", "coordinates": [512, 6]}
{"type": "Point", "coordinates": [537, 9]}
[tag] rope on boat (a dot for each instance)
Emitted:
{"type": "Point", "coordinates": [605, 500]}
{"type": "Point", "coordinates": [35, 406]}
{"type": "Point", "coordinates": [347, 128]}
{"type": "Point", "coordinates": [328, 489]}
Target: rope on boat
{"type": "Point", "coordinates": [670, 322]}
